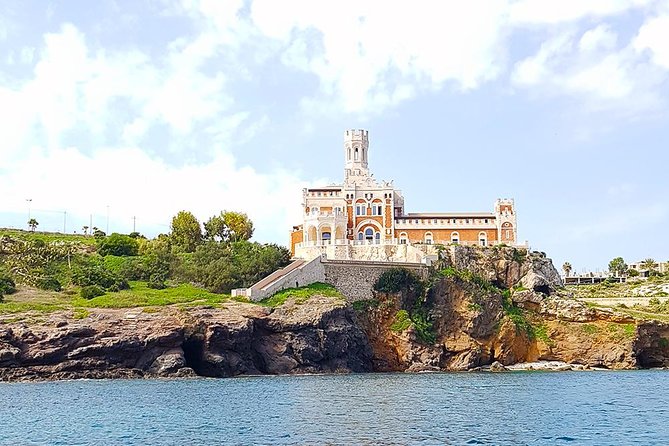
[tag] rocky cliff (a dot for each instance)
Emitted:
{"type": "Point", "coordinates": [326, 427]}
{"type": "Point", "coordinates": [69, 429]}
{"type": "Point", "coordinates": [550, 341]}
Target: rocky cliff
{"type": "Point", "coordinates": [318, 337]}
{"type": "Point", "coordinates": [505, 306]}
{"type": "Point", "coordinates": [498, 306]}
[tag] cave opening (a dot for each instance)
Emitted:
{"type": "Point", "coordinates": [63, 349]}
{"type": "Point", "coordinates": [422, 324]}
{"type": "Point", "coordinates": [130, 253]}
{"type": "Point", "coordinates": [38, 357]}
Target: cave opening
{"type": "Point", "coordinates": [544, 289]}
{"type": "Point", "coordinates": [193, 348]}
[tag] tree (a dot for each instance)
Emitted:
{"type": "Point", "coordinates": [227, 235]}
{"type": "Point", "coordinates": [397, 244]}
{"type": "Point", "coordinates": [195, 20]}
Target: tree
{"type": "Point", "coordinates": [117, 245]}
{"type": "Point", "coordinates": [186, 233]}
{"type": "Point", "coordinates": [566, 267]}
{"type": "Point", "coordinates": [229, 227]}
{"type": "Point", "coordinates": [85, 229]}
{"type": "Point", "coordinates": [98, 233]}
{"type": "Point", "coordinates": [33, 224]}
{"type": "Point", "coordinates": [648, 265]}
{"type": "Point", "coordinates": [618, 267]}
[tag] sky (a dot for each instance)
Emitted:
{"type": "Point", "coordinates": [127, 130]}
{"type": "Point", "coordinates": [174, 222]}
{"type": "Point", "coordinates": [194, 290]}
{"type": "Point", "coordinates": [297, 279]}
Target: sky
{"type": "Point", "coordinates": [124, 113]}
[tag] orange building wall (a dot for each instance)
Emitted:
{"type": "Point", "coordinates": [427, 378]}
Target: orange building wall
{"type": "Point", "coordinates": [444, 235]}
{"type": "Point", "coordinates": [295, 238]}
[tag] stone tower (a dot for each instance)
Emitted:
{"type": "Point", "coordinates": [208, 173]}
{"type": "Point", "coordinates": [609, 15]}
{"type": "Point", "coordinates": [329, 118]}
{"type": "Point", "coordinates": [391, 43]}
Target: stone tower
{"type": "Point", "coordinates": [356, 146]}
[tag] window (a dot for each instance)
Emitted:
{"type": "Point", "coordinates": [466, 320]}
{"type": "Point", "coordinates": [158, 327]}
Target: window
{"type": "Point", "coordinates": [455, 237]}
{"type": "Point", "coordinates": [360, 209]}
{"type": "Point", "coordinates": [369, 234]}
{"type": "Point", "coordinates": [377, 237]}
{"type": "Point", "coordinates": [483, 239]}
{"type": "Point", "coordinates": [428, 238]}
{"type": "Point", "coordinates": [355, 154]}
{"type": "Point", "coordinates": [360, 236]}
{"type": "Point", "coordinates": [377, 209]}
{"type": "Point", "coordinates": [403, 238]}
{"type": "Point", "coordinates": [486, 220]}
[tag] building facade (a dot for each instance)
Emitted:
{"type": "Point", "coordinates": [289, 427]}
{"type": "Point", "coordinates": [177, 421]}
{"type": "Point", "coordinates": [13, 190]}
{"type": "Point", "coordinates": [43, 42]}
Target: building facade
{"type": "Point", "coordinates": [364, 211]}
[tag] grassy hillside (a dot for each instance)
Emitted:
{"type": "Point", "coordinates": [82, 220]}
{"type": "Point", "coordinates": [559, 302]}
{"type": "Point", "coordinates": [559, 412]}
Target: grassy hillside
{"type": "Point", "coordinates": [44, 272]}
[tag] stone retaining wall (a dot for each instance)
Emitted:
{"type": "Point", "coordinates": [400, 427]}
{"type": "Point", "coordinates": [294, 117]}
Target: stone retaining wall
{"type": "Point", "coordinates": [355, 279]}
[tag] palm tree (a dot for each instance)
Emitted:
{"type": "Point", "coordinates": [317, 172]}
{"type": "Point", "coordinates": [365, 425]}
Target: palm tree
{"type": "Point", "coordinates": [566, 267]}
{"type": "Point", "coordinates": [85, 229]}
{"type": "Point", "coordinates": [33, 224]}
{"type": "Point", "coordinates": [648, 265]}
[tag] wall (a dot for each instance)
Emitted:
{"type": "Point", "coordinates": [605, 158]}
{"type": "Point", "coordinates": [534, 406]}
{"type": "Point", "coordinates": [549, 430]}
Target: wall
{"type": "Point", "coordinates": [355, 280]}
{"type": "Point", "coordinates": [308, 273]}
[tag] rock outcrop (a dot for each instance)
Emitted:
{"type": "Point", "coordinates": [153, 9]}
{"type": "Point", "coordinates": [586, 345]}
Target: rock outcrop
{"type": "Point", "coordinates": [241, 339]}
{"type": "Point", "coordinates": [474, 326]}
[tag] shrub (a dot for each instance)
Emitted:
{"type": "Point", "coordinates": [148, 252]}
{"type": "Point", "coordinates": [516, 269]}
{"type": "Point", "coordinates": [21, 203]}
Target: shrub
{"type": "Point", "coordinates": [156, 283]}
{"type": "Point", "coordinates": [7, 285]}
{"type": "Point", "coordinates": [120, 284]}
{"type": "Point", "coordinates": [48, 284]}
{"type": "Point", "coordinates": [402, 321]}
{"type": "Point", "coordinates": [91, 291]}
{"type": "Point", "coordinates": [93, 273]}
{"type": "Point", "coordinates": [395, 280]}
{"type": "Point", "coordinates": [118, 245]}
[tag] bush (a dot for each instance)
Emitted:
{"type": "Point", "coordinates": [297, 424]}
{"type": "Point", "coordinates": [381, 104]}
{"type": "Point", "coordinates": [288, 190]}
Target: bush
{"type": "Point", "coordinates": [7, 285]}
{"type": "Point", "coordinates": [395, 280]}
{"type": "Point", "coordinates": [94, 273]}
{"type": "Point", "coordinates": [118, 245]}
{"type": "Point", "coordinates": [120, 284]}
{"type": "Point", "coordinates": [91, 291]}
{"type": "Point", "coordinates": [48, 284]}
{"type": "Point", "coordinates": [156, 283]}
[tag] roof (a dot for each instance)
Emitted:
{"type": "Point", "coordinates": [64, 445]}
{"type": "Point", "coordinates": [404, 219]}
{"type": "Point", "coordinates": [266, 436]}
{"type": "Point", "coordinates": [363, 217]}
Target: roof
{"type": "Point", "coordinates": [447, 215]}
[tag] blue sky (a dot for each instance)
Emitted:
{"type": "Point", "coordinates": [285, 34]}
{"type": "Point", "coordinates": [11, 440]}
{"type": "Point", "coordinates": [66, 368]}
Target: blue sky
{"type": "Point", "coordinates": [146, 108]}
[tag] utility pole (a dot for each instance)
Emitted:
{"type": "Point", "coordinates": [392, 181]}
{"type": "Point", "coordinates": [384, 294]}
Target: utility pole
{"type": "Point", "coordinates": [107, 231]}
{"type": "Point", "coordinates": [64, 221]}
{"type": "Point", "coordinates": [134, 223]}
{"type": "Point", "coordinates": [90, 223]}
{"type": "Point", "coordinates": [29, 200]}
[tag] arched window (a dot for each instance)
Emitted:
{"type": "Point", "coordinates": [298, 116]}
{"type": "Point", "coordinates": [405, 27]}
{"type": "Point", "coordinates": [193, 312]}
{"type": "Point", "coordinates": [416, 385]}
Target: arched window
{"type": "Point", "coordinates": [355, 154]}
{"type": "Point", "coordinates": [428, 238]}
{"type": "Point", "coordinates": [369, 234]}
{"type": "Point", "coordinates": [455, 237]}
{"type": "Point", "coordinates": [483, 239]}
{"type": "Point", "coordinates": [349, 154]}
{"type": "Point", "coordinates": [403, 238]}
{"type": "Point", "coordinates": [360, 235]}
{"type": "Point", "coordinates": [377, 238]}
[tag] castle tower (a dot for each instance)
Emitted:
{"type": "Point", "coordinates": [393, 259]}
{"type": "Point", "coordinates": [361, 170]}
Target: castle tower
{"type": "Point", "coordinates": [507, 232]}
{"type": "Point", "coordinates": [356, 146]}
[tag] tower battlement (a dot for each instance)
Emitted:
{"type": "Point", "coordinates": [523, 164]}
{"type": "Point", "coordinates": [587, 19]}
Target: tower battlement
{"type": "Point", "coordinates": [356, 135]}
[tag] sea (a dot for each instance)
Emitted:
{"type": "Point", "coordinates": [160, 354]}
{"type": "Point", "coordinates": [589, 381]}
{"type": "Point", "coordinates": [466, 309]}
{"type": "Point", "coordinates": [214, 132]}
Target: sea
{"type": "Point", "coordinates": [516, 408]}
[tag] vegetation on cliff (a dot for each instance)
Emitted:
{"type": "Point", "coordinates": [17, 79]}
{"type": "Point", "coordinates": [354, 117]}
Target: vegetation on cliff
{"type": "Point", "coordinates": [121, 268]}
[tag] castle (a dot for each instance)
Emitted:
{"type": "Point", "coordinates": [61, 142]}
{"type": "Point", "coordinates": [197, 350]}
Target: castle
{"type": "Point", "coordinates": [365, 212]}
{"type": "Point", "coordinates": [354, 231]}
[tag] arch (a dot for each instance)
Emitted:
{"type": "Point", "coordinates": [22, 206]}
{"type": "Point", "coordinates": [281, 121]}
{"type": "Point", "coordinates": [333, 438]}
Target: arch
{"type": "Point", "coordinates": [368, 222]}
{"type": "Point", "coordinates": [455, 237]}
{"type": "Point", "coordinates": [403, 238]}
{"type": "Point", "coordinates": [483, 239]}
{"type": "Point", "coordinates": [369, 233]}
{"type": "Point", "coordinates": [340, 233]}
{"type": "Point", "coordinates": [355, 154]}
{"type": "Point", "coordinates": [428, 238]}
{"type": "Point", "coordinates": [324, 234]}
{"type": "Point", "coordinates": [312, 234]}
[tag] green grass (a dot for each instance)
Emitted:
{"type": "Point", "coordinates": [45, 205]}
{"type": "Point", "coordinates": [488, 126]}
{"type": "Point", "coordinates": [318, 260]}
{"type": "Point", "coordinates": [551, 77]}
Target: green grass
{"type": "Point", "coordinates": [24, 307]}
{"type": "Point", "coordinates": [47, 236]}
{"type": "Point", "coordinates": [140, 295]}
{"type": "Point", "coordinates": [621, 332]}
{"type": "Point", "coordinates": [589, 329]}
{"type": "Point", "coordinates": [364, 305]}
{"type": "Point", "coordinates": [301, 294]}
{"type": "Point", "coordinates": [402, 321]}
{"type": "Point", "coordinates": [541, 333]}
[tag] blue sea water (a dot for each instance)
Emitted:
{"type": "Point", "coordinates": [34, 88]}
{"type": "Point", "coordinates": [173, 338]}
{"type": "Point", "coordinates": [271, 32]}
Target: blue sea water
{"type": "Point", "coordinates": [577, 408]}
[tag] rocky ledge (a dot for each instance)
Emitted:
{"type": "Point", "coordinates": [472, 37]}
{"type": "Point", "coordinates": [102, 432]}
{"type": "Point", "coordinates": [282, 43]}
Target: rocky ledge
{"type": "Point", "coordinates": [321, 337]}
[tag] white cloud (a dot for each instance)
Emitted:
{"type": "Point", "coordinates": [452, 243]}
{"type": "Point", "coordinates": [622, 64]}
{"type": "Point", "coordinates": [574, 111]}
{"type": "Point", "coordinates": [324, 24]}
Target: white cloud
{"type": "Point", "coordinates": [654, 37]}
{"type": "Point", "coordinates": [542, 12]}
{"type": "Point", "coordinates": [593, 68]}
{"type": "Point", "coordinates": [372, 55]}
